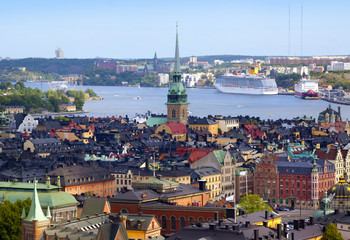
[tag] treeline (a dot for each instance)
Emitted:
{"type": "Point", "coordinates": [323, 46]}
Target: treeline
{"type": "Point", "coordinates": [34, 99]}
{"type": "Point", "coordinates": [287, 80]}
{"type": "Point", "coordinates": [14, 74]}
{"type": "Point", "coordinates": [59, 66]}
{"type": "Point", "coordinates": [108, 77]}
{"type": "Point", "coordinates": [10, 218]}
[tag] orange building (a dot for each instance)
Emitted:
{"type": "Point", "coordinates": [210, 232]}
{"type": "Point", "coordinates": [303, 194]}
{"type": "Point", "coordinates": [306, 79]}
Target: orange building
{"type": "Point", "coordinates": [89, 179]}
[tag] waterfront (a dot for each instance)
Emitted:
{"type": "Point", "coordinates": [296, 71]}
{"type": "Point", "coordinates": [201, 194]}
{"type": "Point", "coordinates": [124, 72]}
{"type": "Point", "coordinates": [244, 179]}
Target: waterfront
{"type": "Point", "coordinates": [122, 101]}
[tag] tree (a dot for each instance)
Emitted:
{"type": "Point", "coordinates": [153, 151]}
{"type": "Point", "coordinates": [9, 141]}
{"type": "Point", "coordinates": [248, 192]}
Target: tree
{"type": "Point", "coordinates": [19, 86]}
{"type": "Point", "coordinates": [10, 219]}
{"type": "Point", "coordinates": [253, 203]}
{"type": "Point", "coordinates": [332, 233]}
{"type": "Point", "coordinates": [91, 92]}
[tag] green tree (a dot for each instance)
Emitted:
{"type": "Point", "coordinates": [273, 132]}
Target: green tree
{"type": "Point", "coordinates": [91, 92]}
{"type": "Point", "coordinates": [10, 219]}
{"type": "Point", "coordinates": [19, 86]}
{"type": "Point", "coordinates": [253, 203]}
{"type": "Point", "coordinates": [332, 233]}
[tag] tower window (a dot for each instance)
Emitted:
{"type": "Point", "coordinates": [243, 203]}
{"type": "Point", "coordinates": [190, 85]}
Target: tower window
{"type": "Point", "coordinates": [183, 112]}
{"type": "Point", "coordinates": [173, 114]}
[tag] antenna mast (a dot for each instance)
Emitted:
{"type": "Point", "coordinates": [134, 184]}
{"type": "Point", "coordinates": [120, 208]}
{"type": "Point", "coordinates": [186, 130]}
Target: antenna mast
{"type": "Point", "coordinates": [289, 29]}
{"type": "Point", "coordinates": [301, 30]}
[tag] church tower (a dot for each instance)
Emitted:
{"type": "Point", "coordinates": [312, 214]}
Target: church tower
{"type": "Point", "coordinates": [155, 62]}
{"type": "Point", "coordinates": [177, 95]}
{"type": "Point", "coordinates": [36, 222]}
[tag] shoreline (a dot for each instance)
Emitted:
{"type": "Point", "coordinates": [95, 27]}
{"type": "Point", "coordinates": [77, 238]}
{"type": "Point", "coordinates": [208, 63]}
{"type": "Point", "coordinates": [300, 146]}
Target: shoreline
{"type": "Point", "coordinates": [59, 113]}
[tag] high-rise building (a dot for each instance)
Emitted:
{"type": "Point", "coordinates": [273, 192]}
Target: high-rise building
{"type": "Point", "coordinates": [177, 95]}
{"type": "Point", "coordinates": [59, 53]}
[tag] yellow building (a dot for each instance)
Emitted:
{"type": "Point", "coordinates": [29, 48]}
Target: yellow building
{"type": "Point", "coordinates": [177, 130]}
{"type": "Point", "coordinates": [139, 226]}
{"type": "Point", "coordinates": [204, 124]}
{"type": "Point", "coordinates": [14, 109]}
{"type": "Point", "coordinates": [67, 107]}
{"type": "Point", "coordinates": [258, 218]}
{"type": "Point", "coordinates": [212, 176]}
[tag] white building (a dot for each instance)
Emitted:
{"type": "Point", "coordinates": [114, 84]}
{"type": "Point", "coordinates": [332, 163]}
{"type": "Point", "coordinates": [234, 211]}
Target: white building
{"type": "Point", "coordinates": [338, 66]}
{"type": "Point", "coordinates": [59, 53]}
{"type": "Point", "coordinates": [28, 124]}
{"type": "Point", "coordinates": [218, 62]}
{"type": "Point", "coordinates": [163, 78]}
{"type": "Point", "coordinates": [191, 80]}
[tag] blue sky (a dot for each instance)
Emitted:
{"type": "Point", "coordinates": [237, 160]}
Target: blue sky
{"type": "Point", "coordinates": [136, 29]}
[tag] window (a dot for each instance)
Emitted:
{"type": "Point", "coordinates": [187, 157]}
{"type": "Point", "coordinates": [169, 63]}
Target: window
{"type": "Point", "coordinates": [182, 222]}
{"type": "Point", "coordinates": [173, 223]}
{"type": "Point", "coordinates": [173, 114]}
{"type": "Point", "coordinates": [183, 112]}
{"type": "Point", "coordinates": [164, 222]}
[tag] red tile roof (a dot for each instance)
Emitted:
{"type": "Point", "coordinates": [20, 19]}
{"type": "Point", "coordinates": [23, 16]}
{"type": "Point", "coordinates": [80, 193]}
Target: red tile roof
{"type": "Point", "coordinates": [198, 154]}
{"type": "Point", "coordinates": [176, 127]}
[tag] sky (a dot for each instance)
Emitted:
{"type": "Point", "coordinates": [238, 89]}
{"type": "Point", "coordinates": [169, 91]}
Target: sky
{"type": "Point", "coordinates": [138, 28]}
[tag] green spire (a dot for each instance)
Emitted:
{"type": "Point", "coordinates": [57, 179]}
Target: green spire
{"type": "Point", "coordinates": [48, 213]}
{"type": "Point", "coordinates": [23, 213]}
{"type": "Point", "coordinates": [35, 212]}
{"type": "Point", "coordinates": [155, 55]}
{"type": "Point", "coordinates": [177, 70]}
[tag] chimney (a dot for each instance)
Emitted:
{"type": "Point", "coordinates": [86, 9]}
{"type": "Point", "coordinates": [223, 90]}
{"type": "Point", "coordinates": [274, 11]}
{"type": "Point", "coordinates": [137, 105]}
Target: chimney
{"type": "Point", "coordinates": [256, 234]}
{"type": "Point", "coordinates": [292, 236]}
{"type": "Point", "coordinates": [302, 223]}
{"type": "Point", "coordinates": [296, 224]}
{"type": "Point", "coordinates": [220, 221]}
{"type": "Point", "coordinates": [266, 214]}
{"type": "Point", "coordinates": [279, 231]}
{"type": "Point", "coordinates": [212, 226]}
{"type": "Point", "coordinates": [265, 224]}
{"type": "Point", "coordinates": [247, 224]}
{"type": "Point", "coordinates": [202, 184]}
{"type": "Point", "coordinates": [311, 222]}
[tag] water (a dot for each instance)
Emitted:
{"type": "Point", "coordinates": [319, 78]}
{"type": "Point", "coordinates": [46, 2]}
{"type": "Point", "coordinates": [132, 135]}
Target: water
{"type": "Point", "coordinates": [121, 101]}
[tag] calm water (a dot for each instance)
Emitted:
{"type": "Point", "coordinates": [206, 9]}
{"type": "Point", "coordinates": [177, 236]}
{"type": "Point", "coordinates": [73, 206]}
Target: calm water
{"type": "Point", "coordinates": [122, 101]}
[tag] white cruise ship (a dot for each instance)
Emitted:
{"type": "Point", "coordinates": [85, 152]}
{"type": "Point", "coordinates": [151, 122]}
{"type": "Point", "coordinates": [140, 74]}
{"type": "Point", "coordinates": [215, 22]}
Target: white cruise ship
{"type": "Point", "coordinates": [246, 84]}
{"type": "Point", "coordinates": [306, 89]}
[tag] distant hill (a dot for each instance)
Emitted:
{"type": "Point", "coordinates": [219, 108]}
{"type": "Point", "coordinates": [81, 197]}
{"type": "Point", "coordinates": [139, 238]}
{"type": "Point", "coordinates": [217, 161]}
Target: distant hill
{"type": "Point", "coordinates": [60, 66]}
{"type": "Point", "coordinates": [79, 66]}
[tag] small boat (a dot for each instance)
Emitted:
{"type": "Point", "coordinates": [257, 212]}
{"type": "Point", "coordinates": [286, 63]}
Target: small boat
{"type": "Point", "coordinates": [116, 95]}
{"type": "Point", "coordinates": [137, 98]}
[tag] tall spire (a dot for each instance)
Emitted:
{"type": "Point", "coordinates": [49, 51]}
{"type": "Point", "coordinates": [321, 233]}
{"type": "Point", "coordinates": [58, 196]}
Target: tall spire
{"type": "Point", "coordinates": [177, 70]}
{"type": "Point", "coordinates": [35, 212]}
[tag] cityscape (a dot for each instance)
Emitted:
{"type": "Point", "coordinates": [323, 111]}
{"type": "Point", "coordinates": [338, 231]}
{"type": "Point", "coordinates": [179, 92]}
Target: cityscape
{"type": "Point", "coordinates": [189, 140]}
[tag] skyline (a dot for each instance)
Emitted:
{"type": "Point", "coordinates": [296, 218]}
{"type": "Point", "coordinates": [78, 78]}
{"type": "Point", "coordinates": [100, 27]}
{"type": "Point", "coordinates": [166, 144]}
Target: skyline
{"type": "Point", "coordinates": [115, 29]}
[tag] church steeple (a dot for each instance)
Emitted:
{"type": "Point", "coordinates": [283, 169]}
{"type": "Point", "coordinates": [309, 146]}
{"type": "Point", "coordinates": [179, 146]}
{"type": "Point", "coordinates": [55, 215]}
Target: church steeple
{"type": "Point", "coordinates": [177, 69]}
{"type": "Point", "coordinates": [36, 222]}
{"type": "Point", "coordinates": [177, 95]}
{"type": "Point", "coordinates": [35, 211]}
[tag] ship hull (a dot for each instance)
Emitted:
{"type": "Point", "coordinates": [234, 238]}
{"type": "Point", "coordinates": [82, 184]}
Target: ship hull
{"type": "Point", "coordinates": [249, 85]}
{"type": "Point", "coordinates": [307, 96]}
{"type": "Point", "coordinates": [244, 90]}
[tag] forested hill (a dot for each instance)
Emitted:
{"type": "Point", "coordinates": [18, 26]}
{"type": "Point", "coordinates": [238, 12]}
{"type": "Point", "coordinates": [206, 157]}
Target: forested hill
{"type": "Point", "coordinates": [45, 65]}
{"type": "Point", "coordinates": [79, 66]}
